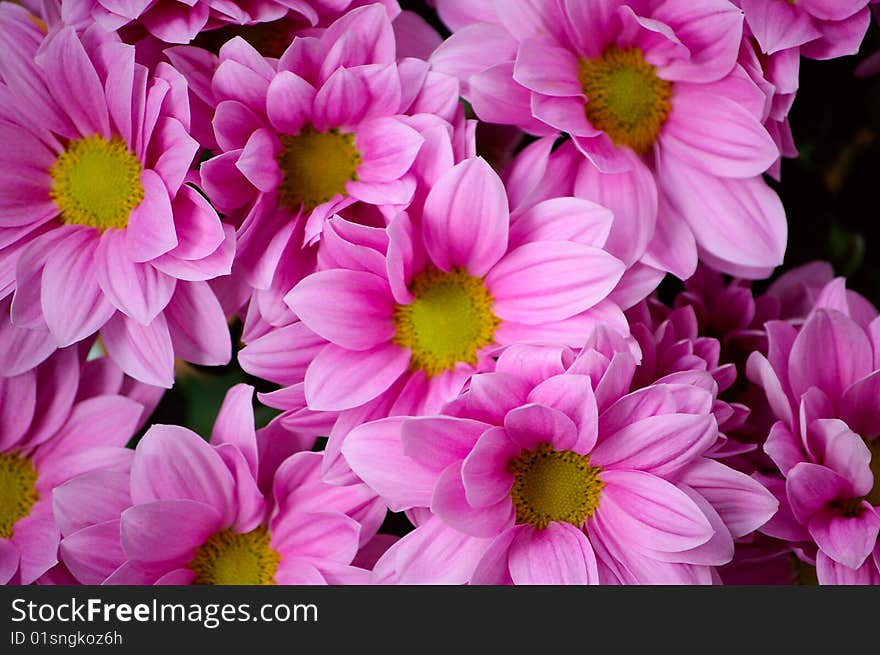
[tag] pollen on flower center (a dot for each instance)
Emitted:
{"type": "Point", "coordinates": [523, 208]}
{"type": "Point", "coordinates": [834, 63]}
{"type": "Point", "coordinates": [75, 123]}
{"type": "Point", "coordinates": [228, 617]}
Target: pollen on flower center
{"type": "Point", "coordinates": [316, 165]}
{"type": "Point", "coordinates": [236, 558]}
{"type": "Point", "coordinates": [449, 320]}
{"type": "Point", "coordinates": [96, 182]}
{"type": "Point", "coordinates": [554, 485]}
{"type": "Point", "coordinates": [625, 98]}
{"type": "Point", "coordinates": [18, 493]}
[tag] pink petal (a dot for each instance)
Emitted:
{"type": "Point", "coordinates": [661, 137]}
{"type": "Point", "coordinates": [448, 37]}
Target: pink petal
{"type": "Point", "coordinates": [651, 512]}
{"type": "Point", "coordinates": [375, 453]}
{"type": "Point", "coordinates": [661, 445]}
{"type": "Point", "coordinates": [449, 502]}
{"type": "Point", "coordinates": [484, 474]}
{"type": "Point", "coordinates": [341, 379]}
{"type": "Point", "coordinates": [137, 290]}
{"type": "Point", "coordinates": [351, 309]}
{"type": "Point", "coordinates": [532, 424]}
{"type": "Point", "coordinates": [848, 540]}
{"type": "Point", "coordinates": [164, 534]}
{"type": "Point", "coordinates": [93, 553]}
{"type": "Point", "coordinates": [551, 280]}
{"type": "Point", "coordinates": [289, 102]}
{"type": "Point", "coordinates": [172, 463]}
{"type": "Point", "coordinates": [197, 325]}
{"type": "Point", "coordinates": [846, 354]}
{"type": "Point", "coordinates": [437, 441]}
{"type": "Point", "coordinates": [466, 218]}
{"type": "Point", "coordinates": [557, 555]}
{"type": "Point", "coordinates": [150, 230]}
{"type": "Point", "coordinates": [145, 353]}
{"type": "Point", "coordinates": [388, 148]}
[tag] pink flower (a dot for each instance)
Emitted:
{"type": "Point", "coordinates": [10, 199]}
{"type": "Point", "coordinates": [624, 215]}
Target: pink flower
{"type": "Point", "coordinates": [397, 320]}
{"type": "Point", "coordinates": [180, 21]}
{"type": "Point", "coordinates": [99, 231]}
{"type": "Point", "coordinates": [64, 418]}
{"type": "Point", "coordinates": [636, 85]}
{"type": "Point", "coordinates": [820, 380]}
{"type": "Point", "coordinates": [822, 30]}
{"type": "Point", "coordinates": [547, 471]}
{"type": "Point", "coordinates": [335, 121]}
{"type": "Point", "coordinates": [247, 508]}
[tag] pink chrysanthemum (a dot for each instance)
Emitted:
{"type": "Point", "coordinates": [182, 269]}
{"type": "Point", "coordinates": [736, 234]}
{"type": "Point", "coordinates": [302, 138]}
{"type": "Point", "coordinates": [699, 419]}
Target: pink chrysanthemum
{"type": "Point", "coordinates": [821, 383]}
{"type": "Point", "coordinates": [398, 319]}
{"type": "Point", "coordinates": [822, 29]}
{"type": "Point", "coordinates": [99, 232]}
{"type": "Point", "coordinates": [180, 21]}
{"type": "Point", "coordinates": [64, 418]}
{"type": "Point", "coordinates": [335, 121]}
{"type": "Point", "coordinates": [548, 471]}
{"type": "Point", "coordinates": [639, 84]}
{"type": "Point", "coordinates": [247, 508]}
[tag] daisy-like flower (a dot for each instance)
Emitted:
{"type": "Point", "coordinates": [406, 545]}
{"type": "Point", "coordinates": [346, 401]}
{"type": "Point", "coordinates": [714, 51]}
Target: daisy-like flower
{"type": "Point", "coordinates": [181, 21]}
{"type": "Point", "coordinates": [98, 231]}
{"type": "Point", "coordinates": [821, 382]}
{"type": "Point", "coordinates": [819, 28]}
{"type": "Point", "coordinates": [246, 508]}
{"type": "Point", "coordinates": [639, 84]}
{"type": "Point", "coordinates": [64, 418]}
{"type": "Point", "coordinates": [398, 319]}
{"type": "Point", "coordinates": [547, 471]}
{"type": "Point", "coordinates": [335, 121]}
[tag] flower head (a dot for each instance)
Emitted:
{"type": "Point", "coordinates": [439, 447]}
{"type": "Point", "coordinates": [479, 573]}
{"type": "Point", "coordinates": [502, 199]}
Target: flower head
{"type": "Point", "coordinates": [64, 418]}
{"type": "Point", "coordinates": [100, 228]}
{"type": "Point", "coordinates": [645, 84]}
{"type": "Point", "coordinates": [242, 509]}
{"type": "Point", "coordinates": [548, 471]}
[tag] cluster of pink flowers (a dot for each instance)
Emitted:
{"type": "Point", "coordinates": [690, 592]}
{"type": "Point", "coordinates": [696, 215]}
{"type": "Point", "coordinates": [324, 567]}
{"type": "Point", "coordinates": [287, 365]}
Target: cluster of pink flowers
{"type": "Point", "coordinates": [482, 345]}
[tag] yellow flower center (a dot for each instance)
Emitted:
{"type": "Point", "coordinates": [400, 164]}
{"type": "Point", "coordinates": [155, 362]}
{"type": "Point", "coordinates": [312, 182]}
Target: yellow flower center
{"type": "Point", "coordinates": [554, 485]}
{"type": "Point", "coordinates": [96, 182]}
{"type": "Point", "coordinates": [235, 558]}
{"type": "Point", "coordinates": [18, 492]}
{"type": "Point", "coordinates": [625, 98]}
{"type": "Point", "coordinates": [316, 166]}
{"type": "Point", "coordinates": [448, 321]}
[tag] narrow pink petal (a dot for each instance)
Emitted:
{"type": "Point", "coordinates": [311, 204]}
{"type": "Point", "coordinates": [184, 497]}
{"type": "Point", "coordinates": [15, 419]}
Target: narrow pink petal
{"type": "Point", "coordinates": [93, 498]}
{"type": "Point", "coordinates": [349, 308]}
{"type": "Point", "coordinates": [172, 462]}
{"type": "Point", "coordinates": [848, 540]}
{"type": "Point", "coordinates": [320, 536]}
{"type": "Point", "coordinates": [93, 553]}
{"type": "Point", "coordinates": [652, 512]}
{"type": "Point", "coordinates": [484, 474]}
{"type": "Point", "coordinates": [289, 102]}
{"type": "Point", "coordinates": [145, 353]}
{"type": "Point", "coordinates": [150, 230]}
{"type": "Point", "coordinates": [388, 148]}
{"type": "Point", "coordinates": [551, 280]}
{"type": "Point", "coordinates": [197, 325]}
{"type": "Point", "coordinates": [532, 424]}
{"type": "Point", "coordinates": [662, 445]}
{"type": "Point", "coordinates": [449, 502]}
{"type": "Point", "coordinates": [235, 423]}
{"type": "Point", "coordinates": [437, 441]}
{"type": "Point", "coordinates": [137, 290]}
{"type": "Point", "coordinates": [341, 379]}
{"type": "Point", "coordinates": [466, 218]}
{"type": "Point", "coordinates": [558, 555]}
{"type": "Point", "coordinates": [74, 82]}
{"type": "Point", "coordinates": [164, 534]}
{"type": "Point", "coordinates": [73, 304]}
{"type": "Point", "coordinates": [375, 453]}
